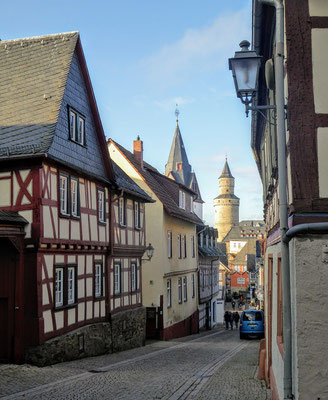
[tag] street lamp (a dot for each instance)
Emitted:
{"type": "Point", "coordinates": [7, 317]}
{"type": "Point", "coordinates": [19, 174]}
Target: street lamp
{"type": "Point", "coordinates": [245, 67]}
{"type": "Point", "coordinates": [149, 252]}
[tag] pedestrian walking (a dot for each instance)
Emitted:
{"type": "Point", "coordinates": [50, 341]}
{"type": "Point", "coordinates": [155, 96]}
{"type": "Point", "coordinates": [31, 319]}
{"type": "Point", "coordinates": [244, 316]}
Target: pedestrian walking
{"type": "Point", "coordinates": [231, 321]}
{"type": "Point", "coordinates": [227, 319]}
{"type": "Point", "coordinates": [233, 304]}
{"type": "Point", "coordinates": [236, 318]}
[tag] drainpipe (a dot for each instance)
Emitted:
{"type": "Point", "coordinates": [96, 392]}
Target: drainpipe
{"type": "Point", "coordinates": [316, 227]}
{"type": "Point", "coordinates": [282, 185]}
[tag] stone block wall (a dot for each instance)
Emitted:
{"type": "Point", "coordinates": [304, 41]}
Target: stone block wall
{"type": "Point", "coordinates": [126, 330]}
{"type": "Point", "coordinates": [90, 340]}
{"type": "Point", "coordinates": [129, 329]}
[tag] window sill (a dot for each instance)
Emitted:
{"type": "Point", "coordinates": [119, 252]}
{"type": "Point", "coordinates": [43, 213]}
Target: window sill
{"type": "Point", "coordinates": [64, 307]}
{"type": "Point", "coordinates": [78, 143]}
{"type": "Point", "coordinates": [122, 225]}
{"type": "Point", "coordinates": [101, 297]}
{"type": "Point", "coordinates": [137, 228]}
{"type": "Point", "coordinates": [102, 222]}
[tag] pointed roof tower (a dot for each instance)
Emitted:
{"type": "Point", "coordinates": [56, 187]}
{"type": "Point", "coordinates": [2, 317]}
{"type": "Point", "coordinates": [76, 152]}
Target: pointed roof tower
{"type": "Point", "coordinates": [226, 173]}
{"type": "Point", "coordinates": [178, 164]}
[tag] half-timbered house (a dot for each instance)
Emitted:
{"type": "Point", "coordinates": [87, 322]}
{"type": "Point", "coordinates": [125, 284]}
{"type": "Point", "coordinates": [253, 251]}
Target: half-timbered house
{"type": "Point", "coordinates": [55, 195]}
{"type": "Point", "coordinates": [128, 315]}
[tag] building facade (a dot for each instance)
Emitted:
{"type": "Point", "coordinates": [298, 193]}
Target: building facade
{"type": "Point", "coordinates": [56, 206]}
{"type": "Point", "coordinates": [169, 279]}
{"type": "Point", "coordinates": [305, 66]}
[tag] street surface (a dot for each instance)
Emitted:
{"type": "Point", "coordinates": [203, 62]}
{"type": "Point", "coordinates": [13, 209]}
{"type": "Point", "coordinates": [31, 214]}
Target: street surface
{"type": "Point", "coordinates": [212, 365]}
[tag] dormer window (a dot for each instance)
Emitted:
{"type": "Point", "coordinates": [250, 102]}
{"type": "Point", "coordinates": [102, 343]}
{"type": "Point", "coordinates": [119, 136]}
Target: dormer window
{"type": "Point", "coordinates": [182, 199]}
{"type": "Point", "coordinates": [76, 127]}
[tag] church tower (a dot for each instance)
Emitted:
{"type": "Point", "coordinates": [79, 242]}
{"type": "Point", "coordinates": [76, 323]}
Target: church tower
{"type": "Point", "coordinates": [226, 204]}
{"type": "Point", "coordinates": [179, 169]}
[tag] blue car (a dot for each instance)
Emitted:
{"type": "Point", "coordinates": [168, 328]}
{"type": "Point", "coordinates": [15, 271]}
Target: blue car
{"type": "Point", "coordinates": [251, 324]}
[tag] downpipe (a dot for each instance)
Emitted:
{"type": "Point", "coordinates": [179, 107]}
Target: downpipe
{"type": "Point", "coordinates": [282, 187]}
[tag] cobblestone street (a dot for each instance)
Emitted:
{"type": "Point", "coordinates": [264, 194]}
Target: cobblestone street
{"type": "Point", "coordinates": [212, 365]}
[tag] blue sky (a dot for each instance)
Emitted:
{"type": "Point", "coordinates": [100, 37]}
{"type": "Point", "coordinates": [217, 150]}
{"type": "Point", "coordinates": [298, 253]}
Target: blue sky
{"type": "Point", "coordinates": [144, 56]}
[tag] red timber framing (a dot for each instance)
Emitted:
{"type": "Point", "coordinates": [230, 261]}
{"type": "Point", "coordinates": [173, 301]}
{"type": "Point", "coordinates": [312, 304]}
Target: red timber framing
{"type": "Point", "coordinates": [128, 249]}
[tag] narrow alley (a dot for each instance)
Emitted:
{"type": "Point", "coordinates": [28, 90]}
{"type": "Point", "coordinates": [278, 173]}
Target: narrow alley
{"type": "Point", "coordinates": [211, 365]}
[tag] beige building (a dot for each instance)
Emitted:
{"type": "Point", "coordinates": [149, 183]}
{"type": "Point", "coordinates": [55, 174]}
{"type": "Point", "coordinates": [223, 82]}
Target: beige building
{"type": "Point", "coordinates": [169, 280]}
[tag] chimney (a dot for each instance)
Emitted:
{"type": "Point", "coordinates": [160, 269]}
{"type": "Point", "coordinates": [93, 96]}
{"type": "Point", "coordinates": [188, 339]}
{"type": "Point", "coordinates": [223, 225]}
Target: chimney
{"type": "Point", "coordinates": [138, 150]}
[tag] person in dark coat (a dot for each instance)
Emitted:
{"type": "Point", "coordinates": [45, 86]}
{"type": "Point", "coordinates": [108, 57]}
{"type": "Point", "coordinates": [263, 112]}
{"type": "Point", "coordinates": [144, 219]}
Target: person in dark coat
{"type": "Point", "coordinates": [231, 321]}
{"type": "Point", "coordinates": [227, 319]}
{"type": "Point", "coordinates": [236, 318]}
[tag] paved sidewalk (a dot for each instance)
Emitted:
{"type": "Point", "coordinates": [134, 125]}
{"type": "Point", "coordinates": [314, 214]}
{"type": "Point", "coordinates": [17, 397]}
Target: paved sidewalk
{"type": "Point", "coordinates": [211, 365]}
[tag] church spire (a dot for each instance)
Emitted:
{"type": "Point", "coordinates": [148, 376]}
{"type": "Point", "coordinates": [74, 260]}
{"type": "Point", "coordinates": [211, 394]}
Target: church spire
{"type": "Point", "coordinates": [178, 161]}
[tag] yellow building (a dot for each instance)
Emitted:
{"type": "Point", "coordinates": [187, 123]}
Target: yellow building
{"type": "Point", "coordinates": [169, 279]}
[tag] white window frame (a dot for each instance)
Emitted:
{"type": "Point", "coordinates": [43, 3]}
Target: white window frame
{"type": "Point", "coordinates": [74, 192]}
{"type": "Point", "coordinates": [98, 280]}
{"type": "Point", "coordinates": [101, 205]}
{"type": "Point", "coordinates": [185, 296]}
{"type": "Point", "coordinates": [184, 246]}
{"type": "Point", "coordinates": [137, 221]}
{"type": "Point", "coordinates": [206, 240]}
{"type": "Point", "coordinates": [121, 210]}
{"type": "Point", "coordinates": [59, 286]}
{"type": "Point", "coordinates": [193, 253]}
{"type": "Point", "coordinates": [117, 278]}
{"type": "Point", "coordinates": [169, 244]}
{"type": "Point", "coordinates": [182, 199]}
{"type": "Point", "coordinates": [192, 285]}
{"type": "Point", "coordinates": [179, 245]}
{"type": "Point", "coordinates": [169, 293]}
{"type": "Point", "coordinates": [76, 127]}
{"type": "Point", "coordinates": [72, 124]}
{"type": "Point", "coordinates": [134, 272]}
{"type": "Point", "coordinates": [71, 298]}
{"type": "Point", "coordinates": [180, 290]}
{"type": "Point", "coordinates": [63, 194]}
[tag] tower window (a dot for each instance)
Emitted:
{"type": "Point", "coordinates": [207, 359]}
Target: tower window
{"type": "Point", "coordinates": [179, 166]}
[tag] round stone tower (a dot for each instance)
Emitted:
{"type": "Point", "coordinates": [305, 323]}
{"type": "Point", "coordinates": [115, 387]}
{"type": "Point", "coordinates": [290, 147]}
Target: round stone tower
{"type": "Point", "coordinates": [226, 205]}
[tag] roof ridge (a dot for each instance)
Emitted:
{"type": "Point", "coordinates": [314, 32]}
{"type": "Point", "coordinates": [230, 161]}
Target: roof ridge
{"type": "Point", "coordinates": [35, 38]}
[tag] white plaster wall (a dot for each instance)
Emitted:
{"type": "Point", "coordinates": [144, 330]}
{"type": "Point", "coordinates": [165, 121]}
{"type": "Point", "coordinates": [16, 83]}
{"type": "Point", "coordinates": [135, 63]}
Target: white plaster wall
{"type": "Point", "coordinates": [318, 8]}
{"type": "Point", "coordinates": [5, 192]}
{"type": "Point", "coordinates": [48, 326]}
{"type": "Point", "coordinates": [320, 68]}
{"type": "Point", "coordinates": [277, 361]}
{"type": "Point", "coordinates": [309, 255]}
{"type": "Point", "coordinates": [28, 215]}
{"type": "Point", "coordinates": [322, 136]}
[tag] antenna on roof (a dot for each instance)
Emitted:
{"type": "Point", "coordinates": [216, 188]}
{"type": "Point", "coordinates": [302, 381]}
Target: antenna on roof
{"type": "Point", "coordinates": [177, 112]}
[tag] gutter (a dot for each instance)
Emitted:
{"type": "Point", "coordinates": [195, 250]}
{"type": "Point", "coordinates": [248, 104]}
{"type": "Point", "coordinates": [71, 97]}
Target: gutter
{"type": "Point", "coordinates": [311, 228]}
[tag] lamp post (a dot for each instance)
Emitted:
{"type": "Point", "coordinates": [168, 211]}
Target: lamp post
{"type": "Point", "coordinates": [149, 252]}
{"type": "Point", "coordinates": [245, 67]}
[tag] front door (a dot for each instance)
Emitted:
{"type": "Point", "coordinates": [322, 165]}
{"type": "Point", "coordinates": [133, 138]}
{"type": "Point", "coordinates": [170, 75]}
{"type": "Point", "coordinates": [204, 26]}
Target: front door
{"type": "Point", "coordinates": [8, 259]}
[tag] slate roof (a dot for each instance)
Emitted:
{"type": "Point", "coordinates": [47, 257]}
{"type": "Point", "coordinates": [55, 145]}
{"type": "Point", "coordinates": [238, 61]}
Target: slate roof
{"type": "Point", "coordinates": [226, 173]}
{"type": "Point", "coordinates": [128, 185]}
{"type": "Point", "coordinates": [33, 79]}
{"type": "Point", "coordinates": [33, 73]}
{"type": "Point", "coordinates": [12, 217]}
{"type": "Point", "coordinates": [166, 189]}
{"type": "Point", "coordinates": [249, 248]}
{"type": "Point", "coordinates": [177, 156]}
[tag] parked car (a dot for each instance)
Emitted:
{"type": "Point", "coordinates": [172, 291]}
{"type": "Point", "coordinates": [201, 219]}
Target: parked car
{"type": "Point", "coordinates": [251, 324]}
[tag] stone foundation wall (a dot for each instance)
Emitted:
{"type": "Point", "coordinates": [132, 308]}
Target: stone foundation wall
{"type": "Point", "coordinates": [126, 330]}
{"type": "Point", "coordinates": [129, 329]}
{"type": "Point", "coordinates": [90, 340]}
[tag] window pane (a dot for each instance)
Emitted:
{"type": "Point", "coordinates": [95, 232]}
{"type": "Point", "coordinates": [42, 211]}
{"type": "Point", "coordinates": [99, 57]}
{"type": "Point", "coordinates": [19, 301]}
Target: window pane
{"type": "Point", "coordinates": [101, 206]}
{"type": "Point", "coordinates": [74, 193]}
{"type": "Point", "coordinates": [59, 287]}
{"type": "Point", "coordinates": [98, 280]}
{"type": "Point", "coordinates": [63, 194]}
{"type": "Point", "coordinates": [72, 127]}
{"type": "Point", "coordinates": [80, 137]}
{"type": "Point", "coordinates": [71, 285]}
{"type": "Point", "coordinates": [117, 278]}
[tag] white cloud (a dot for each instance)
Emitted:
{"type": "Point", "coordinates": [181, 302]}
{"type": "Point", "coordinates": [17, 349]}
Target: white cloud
{"type": "Point", "coordinates": [170, 103]}
{"type": "Point", "coordinates": [199, 49]}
